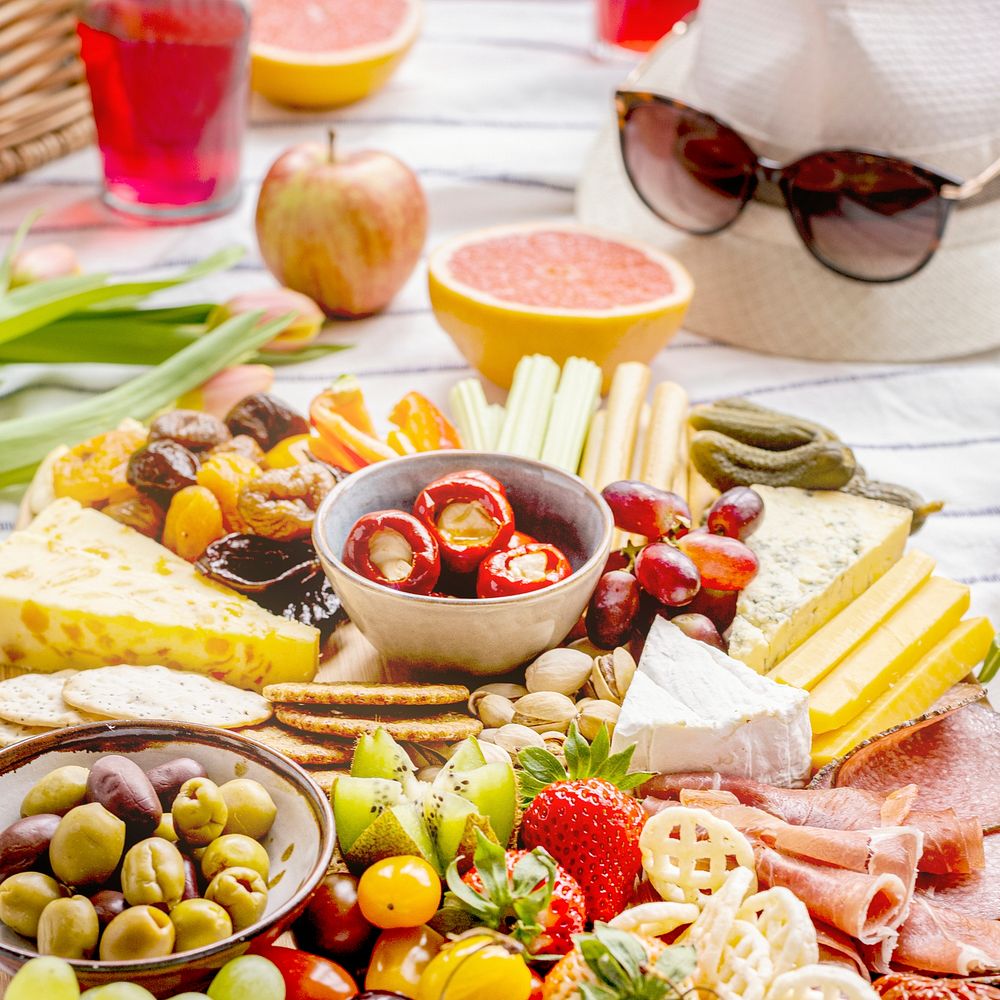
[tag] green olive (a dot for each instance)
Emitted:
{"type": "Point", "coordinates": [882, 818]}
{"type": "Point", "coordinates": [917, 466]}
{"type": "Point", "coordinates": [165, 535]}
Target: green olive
{"type": "Point", "coordinates": [199, 812]}
{"type": "Point", "coordinates": [87, 845]}
{"type": "Point", "coordinates": [22, 899]}
{"type": "Point", "coordinates": [153, 873]}
{"type": "Point", "coordinates": [242, 893]}
{"type": "Point", "coordinates": [59, 791]}
{"type": "Point", "coordinates": [199, 922]}
{"type": "Point", "coordinates": [68, 928]}
{"type": "Point", "coordinates": [235, 851]}
{"type": "Point", "coordinates": [166, 831]}
{"type": "Point", "coordinates": [137, 933]}
{"type": "Point", "coordinates": [251, 809]}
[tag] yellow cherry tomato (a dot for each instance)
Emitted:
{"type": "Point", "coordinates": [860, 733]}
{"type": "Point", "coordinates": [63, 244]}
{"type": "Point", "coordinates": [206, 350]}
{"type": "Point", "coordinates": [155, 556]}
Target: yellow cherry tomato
{"type": "Point", "coordinates": [474, 967]}
{"type": "Point", "coordinates": [399, 892]}
{"type": "Point", "coordinates": [400, 957]}
{"type": "Point", "coordinates": [288, 452]}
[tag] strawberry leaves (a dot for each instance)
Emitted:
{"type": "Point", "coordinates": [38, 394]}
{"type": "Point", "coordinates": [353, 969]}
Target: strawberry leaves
{"type": "Point", "coordinates": [539, 768]}
{"type": "Point", "coordinates": [621, 966]}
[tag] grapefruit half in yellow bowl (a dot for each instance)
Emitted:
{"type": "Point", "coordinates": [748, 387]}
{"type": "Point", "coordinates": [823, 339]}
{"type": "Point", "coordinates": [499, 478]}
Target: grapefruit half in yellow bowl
{"type": "Point", "coordinates": [556, 289]}
{"type": "Point", "coordinates": [324, 53]}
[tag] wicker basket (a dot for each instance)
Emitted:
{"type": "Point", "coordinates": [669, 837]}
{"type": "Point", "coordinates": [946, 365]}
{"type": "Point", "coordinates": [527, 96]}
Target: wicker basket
{"type": "Point", "coordinates": [44, 103]}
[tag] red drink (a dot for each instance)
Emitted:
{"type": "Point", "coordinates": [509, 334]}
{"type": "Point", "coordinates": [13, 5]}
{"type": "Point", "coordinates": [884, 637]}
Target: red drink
{"type": "Point", "coordinates": [168, 81]}
{"type": "Point", "coordinates": [639, 24]}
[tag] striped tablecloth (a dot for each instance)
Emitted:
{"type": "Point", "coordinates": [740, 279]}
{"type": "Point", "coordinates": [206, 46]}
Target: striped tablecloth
{"type": "Point", "coordinates": [495, 109]}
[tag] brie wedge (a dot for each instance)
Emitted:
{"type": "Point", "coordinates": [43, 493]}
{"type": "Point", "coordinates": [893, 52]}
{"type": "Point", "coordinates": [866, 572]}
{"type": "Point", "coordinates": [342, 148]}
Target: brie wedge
{"type": "Point", "coordinates": [691, 707]}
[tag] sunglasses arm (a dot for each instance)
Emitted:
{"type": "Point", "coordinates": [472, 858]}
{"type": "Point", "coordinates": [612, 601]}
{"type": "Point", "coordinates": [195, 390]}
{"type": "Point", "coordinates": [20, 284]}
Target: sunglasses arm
{"type": "Point", "coordinates": [973, 186]}
{"type": "Point", "coordinates": [676, 32]}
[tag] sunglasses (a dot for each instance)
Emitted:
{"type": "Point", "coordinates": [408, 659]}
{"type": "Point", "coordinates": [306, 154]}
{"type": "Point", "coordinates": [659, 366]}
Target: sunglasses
{"type": "Point", "coordinates": [866, 215]}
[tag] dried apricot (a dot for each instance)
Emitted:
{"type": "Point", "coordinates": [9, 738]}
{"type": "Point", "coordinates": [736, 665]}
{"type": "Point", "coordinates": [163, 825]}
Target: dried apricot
{"type": "Point", "coordinates": [95, 471]}
{"type": "Point", "coordinates": [291, 451]}
{"type": "Point", "coordinates": [224, 474]}
{"type": "Point", "coordinates": [281, 503]}
{"type": "Point", "coordinates": [194, 519]}
{"type": "Point", "coordinates": [140, 512]}
{"type": "Point", "coordinates": [196, 430]}
{"type": "Point", "coordinates": [243, 445]}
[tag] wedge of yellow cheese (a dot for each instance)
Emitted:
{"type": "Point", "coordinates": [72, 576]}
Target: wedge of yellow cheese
{"type": "Point", "coordinates": [926, 618]}
{"type": "Point", "coordinates": [806, 666]}
{"type": "Point", "coordinates": [914, 693]}
{"type": "Point", "coordinates": [77, 589]}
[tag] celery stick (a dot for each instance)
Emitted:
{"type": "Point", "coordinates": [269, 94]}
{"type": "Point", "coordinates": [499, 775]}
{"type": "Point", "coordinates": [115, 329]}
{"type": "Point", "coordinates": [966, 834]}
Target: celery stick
{"type": "Point", "coordinates": [575, 401]}
{"type": "Point", "coordinates": [471, 413]}
{"type": "Point", "coordinates": [528, 406]}
{"type": "Point", "coordinates": [592, 451]}
{"type": "Point", "coordinates": [496, 415]}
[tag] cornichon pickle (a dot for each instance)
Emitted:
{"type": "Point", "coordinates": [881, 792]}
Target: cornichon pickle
{"type": "Point", "coordinates": [901, 496]}
{"type": "Point", "coordinates": [757, 426]}
{"type": "Point", "coordinates": [725, 463]}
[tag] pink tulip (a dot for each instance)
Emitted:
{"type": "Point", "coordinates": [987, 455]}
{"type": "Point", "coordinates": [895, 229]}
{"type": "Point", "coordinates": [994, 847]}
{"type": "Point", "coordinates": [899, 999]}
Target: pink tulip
{"type": "Point", "coordinates": [275, 303]}
{"type": "Point", "coordinates": [223, 391]}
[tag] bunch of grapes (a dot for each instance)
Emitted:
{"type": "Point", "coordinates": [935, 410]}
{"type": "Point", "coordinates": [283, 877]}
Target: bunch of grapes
{"type": "Point", "coordinates": [690, 575]}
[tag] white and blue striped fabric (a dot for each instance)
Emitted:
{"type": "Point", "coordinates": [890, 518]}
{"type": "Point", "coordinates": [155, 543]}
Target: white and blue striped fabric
{"type": "Point", "coordinates": [495, 109]}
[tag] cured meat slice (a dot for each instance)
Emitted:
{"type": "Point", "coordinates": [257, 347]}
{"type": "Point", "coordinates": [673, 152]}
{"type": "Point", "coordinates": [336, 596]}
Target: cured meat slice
{"type": "Point", "coordinates": [866, 907]}
{"type": "Point", "coordinates": [836, 948]}
{"type": "Point", "coordinates": [951, 844]}
{"type": "Point", "coordinates": [953, 760]}
{"type": "Point", "coordinates": [938, 939]}
{"type": "Point", "coordinates": [977, 894]}
{"type": "Point", "coordinates": [912, 986]}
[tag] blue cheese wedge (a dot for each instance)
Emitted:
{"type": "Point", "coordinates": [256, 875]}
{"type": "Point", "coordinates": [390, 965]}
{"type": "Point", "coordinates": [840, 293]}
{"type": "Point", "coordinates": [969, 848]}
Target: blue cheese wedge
{"type": "Point", "coordinates": [691, 707]}
{"type": "Point", "coordinates": [818, 550]}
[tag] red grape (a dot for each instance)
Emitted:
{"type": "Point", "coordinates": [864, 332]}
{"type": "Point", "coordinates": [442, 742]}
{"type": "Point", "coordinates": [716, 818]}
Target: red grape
{"type": "Point", "coordinates": [724, 563]}
{"type": "Point", "coordinates": [701, 628]}
{"type": "Point", "coordinates": [717, 605]}
{"type": "Point", "coordinates": [736, 513]}
{"type": "Point", "coordinates": [612, 609]}
{"type": "Point", "coordinates": [667, 574]}
{"type": "Point", "coordinates": [646, 510]}
{"type": "Point", "coordinates": [617, 559]}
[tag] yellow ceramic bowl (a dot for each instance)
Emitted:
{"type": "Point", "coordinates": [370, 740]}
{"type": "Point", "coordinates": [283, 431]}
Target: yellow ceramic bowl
{"type": "Point", "coordinates": [494, 333]}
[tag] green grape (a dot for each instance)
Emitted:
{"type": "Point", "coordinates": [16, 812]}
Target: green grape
{"type": "Point", "coordinates": [190, 996]}
{"type": "Point", "coordinates": [118, 991]}
{"type": "Point", "coordinates": [51, 978]}
{"type": "Point", "coordinates": [248, 976]}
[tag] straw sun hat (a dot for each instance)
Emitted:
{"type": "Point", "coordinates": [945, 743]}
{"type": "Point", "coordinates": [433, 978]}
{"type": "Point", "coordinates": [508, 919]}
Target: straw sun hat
{"type": "Point", "coordinates": [919, 79]}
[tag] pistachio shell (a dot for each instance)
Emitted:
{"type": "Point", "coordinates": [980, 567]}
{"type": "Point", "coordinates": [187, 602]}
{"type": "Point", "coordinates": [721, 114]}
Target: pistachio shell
{"type": "Point", "coordinates": [495, 752]}
{"type": "Point", "coordinates": [612, 674]}
{"type": "Point", "coordinates": [596, 713]}
{"type": "Point", "coordinates": [428, 773]}
{"type": "Point", "coordinates": [514, 738]}
{"type": "Point", "coordinates": [561, 670]}
{"type": "Point", "coordinates": [545, 711]}
{"type": "Point", "coordinates": [495, 711]}
{"type": "Point", "coordinates": [488, 736]}
{"type": "Point", "coordinates": [510, 691]}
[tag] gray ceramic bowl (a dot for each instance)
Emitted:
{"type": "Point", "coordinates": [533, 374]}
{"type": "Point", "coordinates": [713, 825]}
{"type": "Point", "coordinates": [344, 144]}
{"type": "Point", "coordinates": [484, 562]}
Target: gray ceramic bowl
{"type": "Point", "coordinates": [300, 844]}
{"type": "Point", "coordinates": [480, 637]}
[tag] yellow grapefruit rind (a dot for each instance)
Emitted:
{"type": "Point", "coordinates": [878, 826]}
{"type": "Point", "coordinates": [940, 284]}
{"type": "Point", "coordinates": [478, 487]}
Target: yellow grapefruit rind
{"type": "Point", "coordinates": [493, 334]}
{"type": "Point", "coordinates": [331, 79]}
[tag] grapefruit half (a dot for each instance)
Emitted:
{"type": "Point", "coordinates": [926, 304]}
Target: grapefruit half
{"type": "Point", "coordinates": [324, 53]}
{"type": "Point", "coordinates": [556, 289]}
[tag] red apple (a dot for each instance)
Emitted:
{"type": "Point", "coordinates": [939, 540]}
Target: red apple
{"type": "Point", "coordinates": [345, 230]}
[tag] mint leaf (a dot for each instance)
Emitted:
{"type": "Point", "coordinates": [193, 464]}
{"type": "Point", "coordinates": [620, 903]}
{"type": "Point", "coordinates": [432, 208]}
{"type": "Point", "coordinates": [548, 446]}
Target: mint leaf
{"type": "Point", "coordinates": [627, 951]}
{"type": "Point", "coordinates": [677, 962]}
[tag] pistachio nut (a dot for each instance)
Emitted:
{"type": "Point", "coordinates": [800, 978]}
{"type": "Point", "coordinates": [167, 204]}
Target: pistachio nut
{"type": "Point", "coordinates": [545, 711]}
{"type": "Point", "coordinates": [495, 711]}
{"type": "Point", "coordinates": [428, 773]}
{"type": "Point", "coordinates": [586, 646]}
{"type": "Point", "coordinates": [555, 744]}
{"type": "Point", "coordinates": [494, 752]}
{"type": "Point", "coordinates": [510, 691]}
{"type": "Point", "coordinates": [488, 736]}
{"type": "Point", "coordinates": [612, 675]}
{"type": "Point", "coordinates": [561, 670]}
{"type": "Point", "coordinates": [594, 715]}
{"type": "Point", "coordinates": [514, 738]}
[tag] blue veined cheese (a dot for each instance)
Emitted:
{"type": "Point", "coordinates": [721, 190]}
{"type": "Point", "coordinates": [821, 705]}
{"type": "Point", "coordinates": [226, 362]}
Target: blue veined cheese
{"type": "Point", "coordinates": [818, 550]}
{"type": "Point", "coordinates": [690, 707]}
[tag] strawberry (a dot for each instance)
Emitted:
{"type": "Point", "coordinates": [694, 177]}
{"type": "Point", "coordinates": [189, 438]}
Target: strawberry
{"type": "Point", "coordinates": [524, 894]}
{"type": "Point", "coordinates": [584, 817]}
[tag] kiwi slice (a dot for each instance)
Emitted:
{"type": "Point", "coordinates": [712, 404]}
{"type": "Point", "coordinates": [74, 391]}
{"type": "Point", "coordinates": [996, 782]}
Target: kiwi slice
{"type": "Point", "coordinates": [358, 803]}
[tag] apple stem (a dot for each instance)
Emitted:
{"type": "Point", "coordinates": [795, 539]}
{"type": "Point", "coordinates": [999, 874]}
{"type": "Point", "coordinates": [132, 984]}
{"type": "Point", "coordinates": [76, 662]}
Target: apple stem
{"type": "Point", "coordinates": [330, 136]}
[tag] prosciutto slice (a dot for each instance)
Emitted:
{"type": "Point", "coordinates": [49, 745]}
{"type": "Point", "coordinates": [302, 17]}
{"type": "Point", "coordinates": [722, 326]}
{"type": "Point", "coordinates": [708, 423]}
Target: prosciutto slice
{"type": "Point", "coordinates": [953, 759]}
{"type": "Point", "coordinates": [866, 907]}
{"type": "Point", "coordinates": [938, 939]}
{"type": "Point", "coordinates": [977, 894]}
{"type": "Point", "coordinates": [836, 948]}
{"type": "Point", "coordinates": [951, 843]}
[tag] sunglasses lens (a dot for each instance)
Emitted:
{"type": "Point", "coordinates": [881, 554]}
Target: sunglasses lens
{"type": "Point", "coordinates": [693, 172]}
{"type": "Point", "coordinates": [870, 217]}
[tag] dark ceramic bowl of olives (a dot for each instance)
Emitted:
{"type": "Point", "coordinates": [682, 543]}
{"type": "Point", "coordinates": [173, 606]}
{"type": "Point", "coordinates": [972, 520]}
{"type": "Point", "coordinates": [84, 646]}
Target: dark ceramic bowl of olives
{"type": "Point", "coordinates": [153, 853]}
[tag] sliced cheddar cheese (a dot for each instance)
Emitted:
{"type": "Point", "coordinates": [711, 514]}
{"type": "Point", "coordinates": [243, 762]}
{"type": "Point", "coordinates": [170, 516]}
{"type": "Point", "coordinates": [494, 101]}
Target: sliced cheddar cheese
{"type": "Point", "coordinates": [926, 618]}
{"type": "Point", "coordinates": [78, 589]}
{"type": "Point", "coordinates": [806, 666]}
{"type": "Point", "coordinates": [914, 693]}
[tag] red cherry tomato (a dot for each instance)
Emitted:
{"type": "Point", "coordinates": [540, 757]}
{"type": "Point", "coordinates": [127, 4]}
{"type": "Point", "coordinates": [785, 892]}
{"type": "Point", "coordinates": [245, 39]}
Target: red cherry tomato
{"type": "Point", "coordinates": [309, 977]}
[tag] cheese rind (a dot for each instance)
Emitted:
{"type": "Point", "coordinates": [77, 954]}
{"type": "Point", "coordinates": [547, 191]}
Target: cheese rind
{"type": "Point", "coordinates": [824, 649]}
{"type": "Point", "coordinates": [914, 693]}
{"type": "Point", "coordinates": [926, 618]}
{"type": "Point", "coordinates": [77, 589]}
{"type": "Point", "coordinates": [818, 550]}
{"type": "Point", "coordinates": [691, 707]}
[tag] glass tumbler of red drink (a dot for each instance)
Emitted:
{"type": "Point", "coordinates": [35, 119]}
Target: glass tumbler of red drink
{"type": "Point", "coordinates": [168, 81]}
{"type": "Point", "coordinates": [637, 25]}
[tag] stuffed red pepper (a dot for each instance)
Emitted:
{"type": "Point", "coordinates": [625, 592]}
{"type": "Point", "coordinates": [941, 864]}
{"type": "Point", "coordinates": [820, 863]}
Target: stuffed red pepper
{"type": "Point", "coordinates": [394, 549]}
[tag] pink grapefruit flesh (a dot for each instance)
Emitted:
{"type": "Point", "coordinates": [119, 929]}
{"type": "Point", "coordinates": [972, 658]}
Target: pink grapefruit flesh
{"type": "Point", "coordinates": [326, 25]}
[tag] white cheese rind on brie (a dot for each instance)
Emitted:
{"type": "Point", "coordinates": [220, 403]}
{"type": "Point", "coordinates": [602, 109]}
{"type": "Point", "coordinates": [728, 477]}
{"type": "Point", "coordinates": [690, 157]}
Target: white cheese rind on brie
{"type": "Point", "coordinates": [691, 707]}
{"type": "Point", "coordinates": [818, 550]}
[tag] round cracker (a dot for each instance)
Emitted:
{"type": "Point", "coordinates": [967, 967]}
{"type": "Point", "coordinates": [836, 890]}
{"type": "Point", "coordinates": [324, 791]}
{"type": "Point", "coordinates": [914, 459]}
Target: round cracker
{"type": "Point", "coordinates": [36, 700]}
{"type": "Point", "coordinates": [317, 751]}
{"type": "Point", "coordinates": [450, 726]}
{"type": "Point", "coordinates": [326, 779]}
{"type": "Point", "coordinates": [141, 693]}
{"type": "Point", "coordinates": [373, 694]}
{"type": "Point", "coordinates": [11, 733]}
